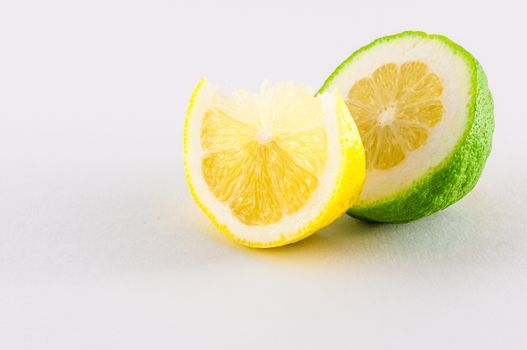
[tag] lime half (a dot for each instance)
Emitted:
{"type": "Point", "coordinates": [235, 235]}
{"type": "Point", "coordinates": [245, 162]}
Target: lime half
{"type": "Point", "coordinates": [425, 116]}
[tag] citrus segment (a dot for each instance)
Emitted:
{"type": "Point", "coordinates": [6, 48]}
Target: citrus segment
{"type": "Point", "coordinates": [269, 168]}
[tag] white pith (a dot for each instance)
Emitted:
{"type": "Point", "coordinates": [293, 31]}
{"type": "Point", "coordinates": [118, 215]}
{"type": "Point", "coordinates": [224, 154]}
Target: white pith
{"type": "Point", "coordinates": [456, 80]}
{"type": "Point", "coordinates": [288, 227]}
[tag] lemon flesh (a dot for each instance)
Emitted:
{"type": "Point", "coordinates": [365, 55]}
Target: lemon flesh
{"type": "Point", "coordinates": [262, 174]}
{"type": "Point", "coordinates": [269, 168]}
{"type": "Point", "coordinates": [425, 115]}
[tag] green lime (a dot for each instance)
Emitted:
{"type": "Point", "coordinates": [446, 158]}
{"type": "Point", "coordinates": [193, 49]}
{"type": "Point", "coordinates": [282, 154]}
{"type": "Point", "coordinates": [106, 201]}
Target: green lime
{"type": "Point", "coordinates": [425, 115]}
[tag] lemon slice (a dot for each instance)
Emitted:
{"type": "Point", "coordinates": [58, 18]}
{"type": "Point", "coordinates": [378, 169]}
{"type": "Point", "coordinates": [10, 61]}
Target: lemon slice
{"type": "Point", "coordinates": [425, 114]}
{"type": "Point", "coordinates": [274, 167]}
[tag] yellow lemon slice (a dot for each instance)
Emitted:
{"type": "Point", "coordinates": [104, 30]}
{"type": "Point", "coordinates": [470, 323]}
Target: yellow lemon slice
{"type": "Point", "coordinates": [273, 167]}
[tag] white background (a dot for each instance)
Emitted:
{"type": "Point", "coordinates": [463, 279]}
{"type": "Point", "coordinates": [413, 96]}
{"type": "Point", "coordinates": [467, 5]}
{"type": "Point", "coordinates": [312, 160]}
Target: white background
{"type": "Point", "coordinates": [102, 246]}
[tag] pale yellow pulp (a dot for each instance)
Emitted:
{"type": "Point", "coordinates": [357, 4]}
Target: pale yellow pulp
{"type": "Point", "coordinates": [264, 173]}
{"type": "Point", "coordinates": [394, 109]}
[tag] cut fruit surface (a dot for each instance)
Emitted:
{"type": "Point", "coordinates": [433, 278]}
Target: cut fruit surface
{"type": "Point", "coordinates": [394, 110]}
{"type": "Point", "coordinates": [425, 115]}
{"type": "Point", "coordinates": [273, 167]}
